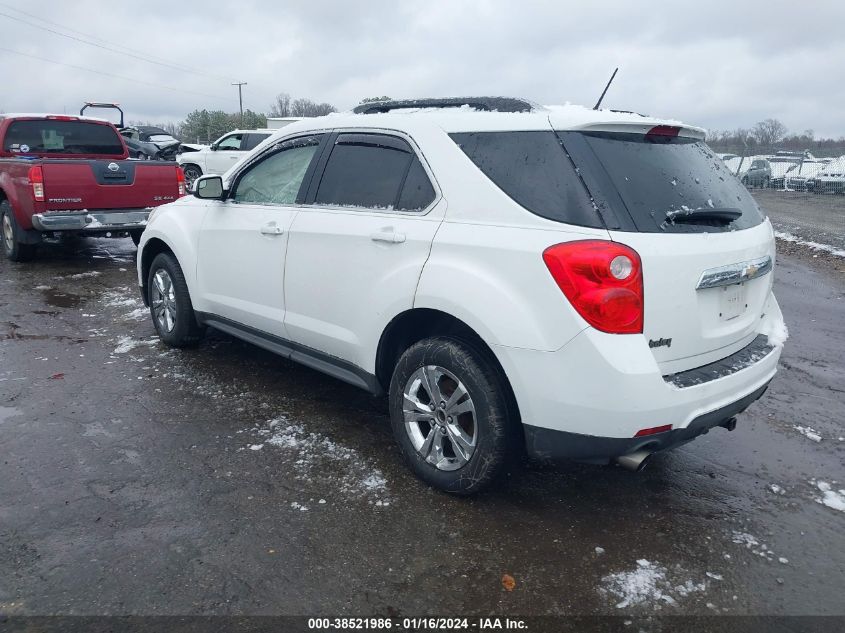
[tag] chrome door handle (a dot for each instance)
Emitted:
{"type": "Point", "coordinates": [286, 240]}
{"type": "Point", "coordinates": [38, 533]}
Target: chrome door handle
{"type": "Point", "coordinates": [388, 235]}
{"type": "Point", "coordinates": [272, 229]}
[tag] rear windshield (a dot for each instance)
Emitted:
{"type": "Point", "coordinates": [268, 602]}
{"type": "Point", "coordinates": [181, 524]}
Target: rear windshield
{"type": "Point", "coordinates": [665, 183]}
{"type": "Point", "coordinates": [61, 137]}
{"type": "Point", "coordinates": [534, 170]}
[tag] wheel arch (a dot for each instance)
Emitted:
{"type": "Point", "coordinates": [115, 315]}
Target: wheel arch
{"type": "Point", "coordinates": [416, 324]}
{"type": "Point", "coordinates": [153, 247]}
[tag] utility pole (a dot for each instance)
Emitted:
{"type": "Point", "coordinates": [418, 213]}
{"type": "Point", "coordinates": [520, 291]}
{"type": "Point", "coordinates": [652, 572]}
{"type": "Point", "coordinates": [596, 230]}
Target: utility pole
{"type": "Point", "coordinates": [240, 85]}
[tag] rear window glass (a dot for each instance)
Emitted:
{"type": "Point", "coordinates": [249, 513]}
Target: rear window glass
{"type": "Point", "coordinates": [360, 174]}
{"type": "Point", "coordinates": [61, 137]}
{"type": "Point", "coordinates": [417, 192]}
{"type": "Point", "coordinates": [534, 170]}
{"type": "Point", "coordinates": [668, 183]}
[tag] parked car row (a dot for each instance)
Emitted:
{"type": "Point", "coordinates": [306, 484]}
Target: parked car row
{"type": "Point", "coordinates": [789, 170]}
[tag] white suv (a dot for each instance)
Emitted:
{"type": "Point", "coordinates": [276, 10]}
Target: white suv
{"type": "Point", "coordinates": [581, 284]}
{"type": "Point", "coordinates": [222, 154]}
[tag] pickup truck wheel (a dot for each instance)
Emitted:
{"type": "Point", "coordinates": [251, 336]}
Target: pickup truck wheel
{"type": "Point", "coordinates": [449, 412]}
{"type": "Point", "coordinates": [170, 303]}
{"type": "Point", "coordinates": [192, 172]}
{"type": "Point", "coordinates": [13, 249]}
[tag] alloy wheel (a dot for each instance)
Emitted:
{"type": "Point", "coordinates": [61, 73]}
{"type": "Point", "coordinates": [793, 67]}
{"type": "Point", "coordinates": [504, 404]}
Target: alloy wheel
{"type": "Point", "coordinates": [440, 417]}
{"type": "Point", "coordinates": [163, 300]}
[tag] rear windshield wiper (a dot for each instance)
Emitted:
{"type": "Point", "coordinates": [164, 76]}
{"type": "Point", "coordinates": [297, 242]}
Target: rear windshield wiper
{"type": "Point", "coordinates": [724, 215]}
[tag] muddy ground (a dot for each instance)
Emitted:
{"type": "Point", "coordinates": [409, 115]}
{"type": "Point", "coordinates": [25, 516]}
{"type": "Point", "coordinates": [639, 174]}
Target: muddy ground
{"type": "Point", "coordinates": [135, 479]}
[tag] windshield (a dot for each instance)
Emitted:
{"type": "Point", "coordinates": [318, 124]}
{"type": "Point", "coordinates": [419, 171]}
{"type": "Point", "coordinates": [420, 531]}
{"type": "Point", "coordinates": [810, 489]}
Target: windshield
{"type": "Point", "coordinates": [661, 179]}
{"type": "Point", "coordinates": [48, 136]}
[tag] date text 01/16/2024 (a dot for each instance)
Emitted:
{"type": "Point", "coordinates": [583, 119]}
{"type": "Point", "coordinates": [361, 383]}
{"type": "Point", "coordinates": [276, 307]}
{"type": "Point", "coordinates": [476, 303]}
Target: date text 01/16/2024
{"type": "Point", "coordinates": [416, 624]}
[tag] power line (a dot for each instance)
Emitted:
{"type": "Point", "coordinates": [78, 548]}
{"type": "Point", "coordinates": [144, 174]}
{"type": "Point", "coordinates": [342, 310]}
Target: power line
{"type": "Point", "coordinates": [114, 76]}
{"type": "Point", "coordinates": [101, 46]}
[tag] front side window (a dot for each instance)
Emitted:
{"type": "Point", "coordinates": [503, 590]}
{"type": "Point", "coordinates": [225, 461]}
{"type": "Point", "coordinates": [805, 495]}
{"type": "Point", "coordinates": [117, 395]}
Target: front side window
{"type": "Point", "coordinates": [62, 137]}
{"type": "Point", "coordinates": [277, 179]}
{"type": "Point", "coordinates": [369, 171]}
{"type": "Point", "coordinates": [230, 143]}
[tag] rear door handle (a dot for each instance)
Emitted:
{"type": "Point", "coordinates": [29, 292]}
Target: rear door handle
{"type": "Point", "coordinates": [388, 235]}
{"type": "Point", "coordinates": [272, 229]}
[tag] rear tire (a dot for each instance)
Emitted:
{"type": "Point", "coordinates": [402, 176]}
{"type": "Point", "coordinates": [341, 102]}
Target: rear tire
{"type": "Point", "coordinates": [461, 440]}
{"type": "Point", "coordinates": [192, 172]}
{"type": "Point", "coordinates": [170, 303]}
{"type": "Point", "coordinates": [11, 233]}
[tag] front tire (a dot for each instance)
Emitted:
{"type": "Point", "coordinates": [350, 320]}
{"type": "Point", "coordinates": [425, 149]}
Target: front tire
{"type": "Point", "coordinates": [170, 303]}
{"type": "Point", "coordinates": [450, 415]}
{"type": "Point", "coordinates": [11, 233]}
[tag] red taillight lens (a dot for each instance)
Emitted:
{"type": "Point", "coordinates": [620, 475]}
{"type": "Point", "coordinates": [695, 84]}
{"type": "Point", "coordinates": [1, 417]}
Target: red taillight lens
{"type": "Point", "coordinates": [180, 181]}
{"type": "Point", "coordinates": [602, 280]}
{"type": "Point", "coordinates": [664, 130]}
{"type": "Point", "coordinates": [36, 179]}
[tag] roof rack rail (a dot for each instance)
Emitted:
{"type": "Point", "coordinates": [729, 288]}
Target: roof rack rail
{"type": "Point", "coordinates": [488, 104]}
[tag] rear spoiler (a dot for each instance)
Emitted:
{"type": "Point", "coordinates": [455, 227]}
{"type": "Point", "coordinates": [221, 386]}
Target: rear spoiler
{"type": "Point", "coordinates": [648, 129]}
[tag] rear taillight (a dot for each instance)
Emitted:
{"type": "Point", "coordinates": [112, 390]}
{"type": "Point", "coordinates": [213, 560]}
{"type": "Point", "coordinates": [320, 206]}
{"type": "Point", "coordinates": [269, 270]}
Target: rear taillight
{"type": "Point", "coordinates": [653, 430]}
{"type": "Point", "coordinates": [180, 181]}
{"type": "Point", "coordinates": [602, 280]}
{"type": "Point", "coordinates": [36, 179]}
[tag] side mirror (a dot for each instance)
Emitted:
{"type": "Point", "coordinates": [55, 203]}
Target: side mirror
{"type": "Point", "coordinates": [209, 188]}
{"type": "Point", "coordinates": [213, 147]}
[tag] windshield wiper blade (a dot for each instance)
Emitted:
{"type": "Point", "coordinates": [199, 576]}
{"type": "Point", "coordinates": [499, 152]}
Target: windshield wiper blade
{"type": "Point", "coordinates": [693, 216]}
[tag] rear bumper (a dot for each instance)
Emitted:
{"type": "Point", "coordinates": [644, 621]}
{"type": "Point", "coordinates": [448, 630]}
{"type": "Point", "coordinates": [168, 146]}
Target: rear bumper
{"type": "Point", "coordinates": [589, 399]}
{"type": "Point", "coordinates": [92, 221]}
{"type": "Point", "coordinates": [550, 444]}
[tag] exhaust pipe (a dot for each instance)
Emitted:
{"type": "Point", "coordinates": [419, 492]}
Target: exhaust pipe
{"type": "Point", "coordinates": [635, 462]}
{"type": "Point", "coordinates": [730, 424]}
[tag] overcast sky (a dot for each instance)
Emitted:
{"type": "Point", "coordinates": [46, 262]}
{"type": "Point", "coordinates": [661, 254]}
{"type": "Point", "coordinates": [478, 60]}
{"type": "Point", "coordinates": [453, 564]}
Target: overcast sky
{"type": "Point", "coordinates": [719, 64]}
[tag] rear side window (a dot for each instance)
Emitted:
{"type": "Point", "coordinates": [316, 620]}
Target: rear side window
{"type": "Point", "coordinates": [666, 183]}
{"type": "Point", "coordinates": [61, 137]}
{"type": "Point", "coordinates": [253, 140]}
{"type": "Point", "coordinates": [534, 170]}
{"type": "Point", "coordinates": [375, 172]}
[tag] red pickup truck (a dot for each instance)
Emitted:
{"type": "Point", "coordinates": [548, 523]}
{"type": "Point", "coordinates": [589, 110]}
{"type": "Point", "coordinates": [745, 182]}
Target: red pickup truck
{"type": "Point", "coordinates": [71, 174]}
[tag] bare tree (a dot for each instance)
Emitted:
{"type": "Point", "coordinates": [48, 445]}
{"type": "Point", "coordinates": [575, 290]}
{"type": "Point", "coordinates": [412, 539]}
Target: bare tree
{"type": "Point", "coordinates": [308, 108]}
{"type": "Point", "coordinates": [768, 132]}
{"type": "Point", "coordinates": [281, 106]}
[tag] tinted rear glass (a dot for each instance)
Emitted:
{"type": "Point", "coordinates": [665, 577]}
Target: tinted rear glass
{"type": "Point", "coordinates": [363, 175]}
{"type": "Point", "coordinates": [61, 137]}
{"type": "Point", "coordinates": [534, 170]}
{"type": "Point", "coordinates": [662, 179]}
{"type": "Point", "coordinates": [417, 192]}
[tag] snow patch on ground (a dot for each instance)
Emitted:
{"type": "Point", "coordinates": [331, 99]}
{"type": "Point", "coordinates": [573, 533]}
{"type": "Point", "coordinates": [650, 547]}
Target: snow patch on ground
{"type": "Point", "coordinates": [119, 299]}
{"type": "Point", "coordinates": [648, 584]}
{"type": "Point", "coordinates": [753, 544]}
{"type": "Point", "coordinates": [831, 498]}
{"type": "Point", "coordinates": [776, 489]}
{"type": "Point", "coordinates": [320, 459]}
{"type": "Point", "coordinates": [127, 344]}
{"type": "Point", "coordinates": [816, 246]}
{"type": "Point", "coordinates": [43, 288]}
{"type": "Point", "coordinates": [808, 432]}
{"type": "Point", "coordinates": [90, 273]}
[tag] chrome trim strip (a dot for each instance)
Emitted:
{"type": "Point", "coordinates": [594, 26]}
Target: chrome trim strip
{"type": "Point", "coordinates": [735, 273]}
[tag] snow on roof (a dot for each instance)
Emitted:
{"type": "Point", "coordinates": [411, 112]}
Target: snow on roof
{"type": "Point", "coordinates": [468, 119]}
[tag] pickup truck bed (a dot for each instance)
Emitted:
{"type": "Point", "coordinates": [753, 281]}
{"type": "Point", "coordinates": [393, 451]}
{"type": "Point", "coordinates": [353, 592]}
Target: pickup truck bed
{"type": "Point", "coordinates": [71, 174]}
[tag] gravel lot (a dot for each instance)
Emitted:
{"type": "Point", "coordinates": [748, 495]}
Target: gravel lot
{"type": "Point", "coordinates": [135, 479]}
